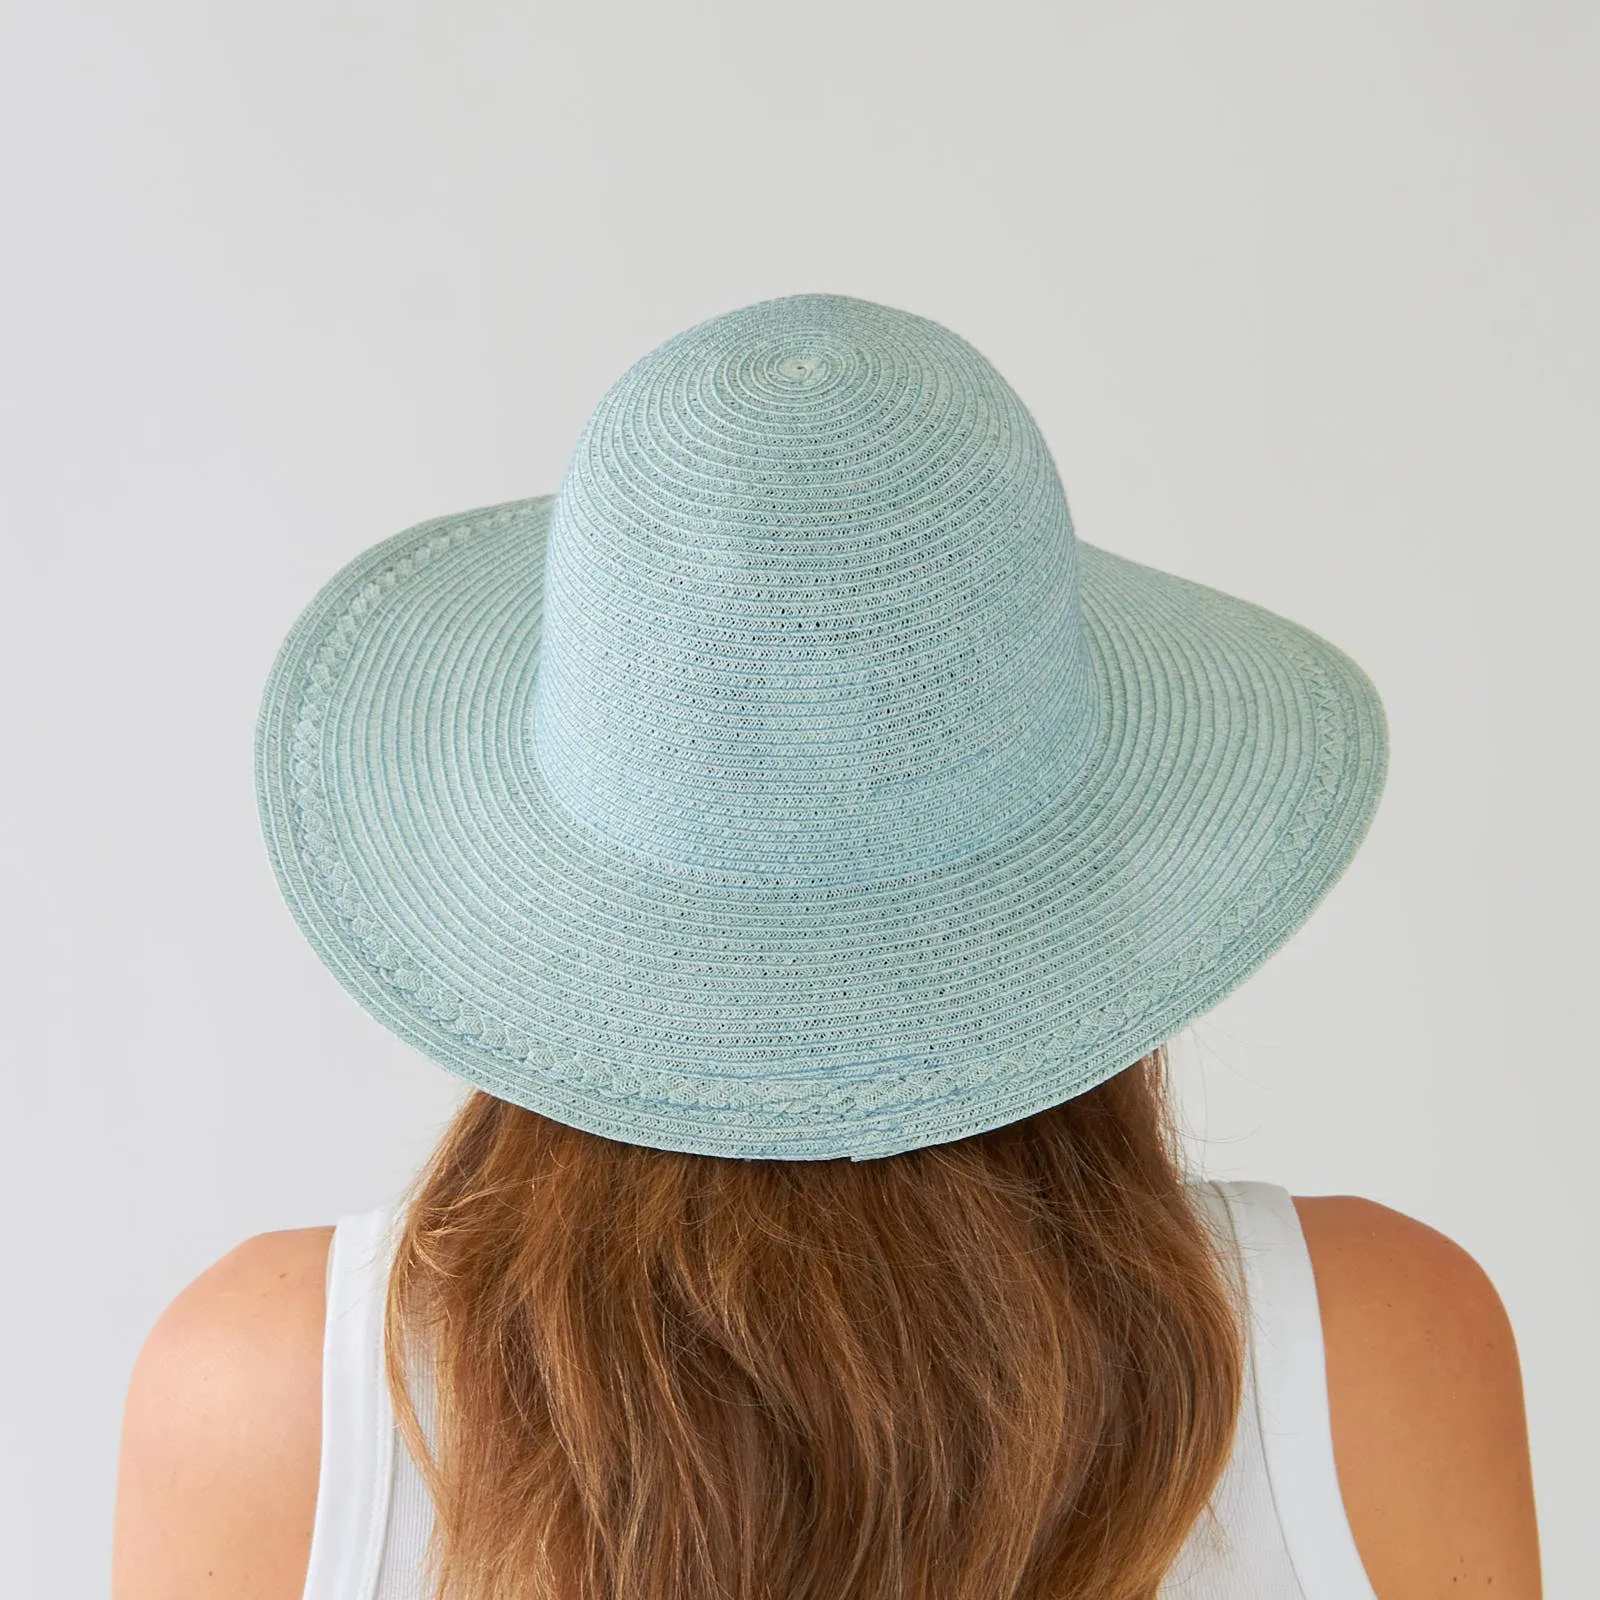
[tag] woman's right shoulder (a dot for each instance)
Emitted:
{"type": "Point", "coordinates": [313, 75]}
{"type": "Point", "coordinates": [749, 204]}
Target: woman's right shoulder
{"type": "Point", "coordinates": [1425, 1404]}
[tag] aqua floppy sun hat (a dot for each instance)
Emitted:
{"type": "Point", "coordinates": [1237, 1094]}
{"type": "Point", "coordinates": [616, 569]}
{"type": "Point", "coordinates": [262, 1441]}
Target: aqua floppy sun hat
{"type": "Point", "coordinates": [793, 782]}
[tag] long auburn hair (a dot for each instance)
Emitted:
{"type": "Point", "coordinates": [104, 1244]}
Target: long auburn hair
{"type": "Point", "coordinates": [1002, 1368]}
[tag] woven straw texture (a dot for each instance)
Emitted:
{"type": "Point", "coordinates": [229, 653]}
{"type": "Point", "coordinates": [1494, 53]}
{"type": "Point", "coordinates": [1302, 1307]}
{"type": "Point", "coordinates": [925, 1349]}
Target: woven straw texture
{"type": "Point", "coordinates": [793, 783]}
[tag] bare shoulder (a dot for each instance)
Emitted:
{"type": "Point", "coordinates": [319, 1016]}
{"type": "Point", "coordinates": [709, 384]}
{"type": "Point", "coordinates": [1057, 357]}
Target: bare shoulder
{"type": "Point", "coordinates": [1425, 1401]}
{"type": "Point", "coordinates": [221, 1431]}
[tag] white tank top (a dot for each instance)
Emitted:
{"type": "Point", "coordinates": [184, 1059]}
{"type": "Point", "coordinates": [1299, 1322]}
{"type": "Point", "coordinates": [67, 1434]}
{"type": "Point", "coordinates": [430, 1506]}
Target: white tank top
{"type": "Point", "coordinates": [1276, 1529]}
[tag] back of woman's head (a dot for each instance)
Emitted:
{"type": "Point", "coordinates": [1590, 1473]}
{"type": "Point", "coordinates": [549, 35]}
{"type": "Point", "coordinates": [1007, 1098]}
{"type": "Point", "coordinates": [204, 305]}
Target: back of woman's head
{"type": "Point", "coordinates": [1006, 1366]}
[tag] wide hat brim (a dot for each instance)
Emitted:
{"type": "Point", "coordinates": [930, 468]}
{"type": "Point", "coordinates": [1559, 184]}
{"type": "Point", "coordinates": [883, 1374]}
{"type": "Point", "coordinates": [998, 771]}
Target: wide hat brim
{"type": "Point", "coordinates": [1238, 764]}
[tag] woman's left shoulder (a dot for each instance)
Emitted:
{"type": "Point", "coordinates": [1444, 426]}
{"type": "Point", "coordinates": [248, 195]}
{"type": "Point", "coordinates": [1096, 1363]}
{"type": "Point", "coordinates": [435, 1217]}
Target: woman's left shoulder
{"type": "Point", "coordinates": [1425, 1401]}
{"type": "Point", "coordinates": [221, 1430]}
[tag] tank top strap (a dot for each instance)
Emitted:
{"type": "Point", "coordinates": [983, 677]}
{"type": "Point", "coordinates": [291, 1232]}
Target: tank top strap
{"type": "Point", "coordinates": [1291, 1391]}
{"type": "Point", "coordinates": [356, 1464]}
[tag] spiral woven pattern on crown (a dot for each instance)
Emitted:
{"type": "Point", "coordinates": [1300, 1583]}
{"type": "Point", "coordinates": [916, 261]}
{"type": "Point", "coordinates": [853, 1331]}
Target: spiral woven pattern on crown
{"type": "Point", "coordinates": [811, 602]}
{"type": "Point", "coordinates": [605, 964]}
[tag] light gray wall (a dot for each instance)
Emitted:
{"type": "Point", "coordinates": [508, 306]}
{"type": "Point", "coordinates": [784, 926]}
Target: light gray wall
{"type": "Point", "coordinates": [1304, 298]}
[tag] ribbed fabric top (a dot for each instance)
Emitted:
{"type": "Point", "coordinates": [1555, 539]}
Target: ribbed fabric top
{"type": "Point", "coordinates": [1277, 1528]}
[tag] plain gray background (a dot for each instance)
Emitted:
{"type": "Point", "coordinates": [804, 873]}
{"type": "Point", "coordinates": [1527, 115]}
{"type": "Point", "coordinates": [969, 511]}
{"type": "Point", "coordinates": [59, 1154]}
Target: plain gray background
{"type": "Point", "coordinates": [1303, 297]}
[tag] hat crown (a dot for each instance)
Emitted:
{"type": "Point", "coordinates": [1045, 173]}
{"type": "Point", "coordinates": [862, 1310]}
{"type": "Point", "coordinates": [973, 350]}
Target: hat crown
{"type": "Point", "coordinates": [811, 603]}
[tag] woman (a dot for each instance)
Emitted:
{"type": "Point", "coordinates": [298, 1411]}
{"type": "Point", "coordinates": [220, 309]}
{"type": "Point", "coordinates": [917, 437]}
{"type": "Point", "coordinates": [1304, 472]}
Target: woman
{"type": "Point", "coordinates": [803, 845]}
